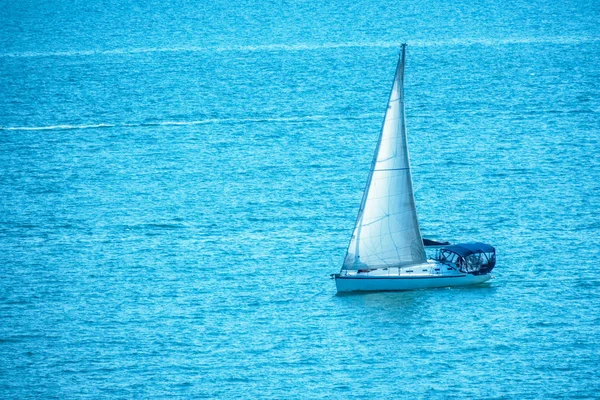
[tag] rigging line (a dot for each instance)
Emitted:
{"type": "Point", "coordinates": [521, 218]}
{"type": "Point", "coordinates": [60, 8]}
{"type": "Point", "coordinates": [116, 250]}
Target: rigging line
{"type": "Point", "coordinates": [392, 236]}
{"type": "Point", "coordinates": [376, 220]}
{"type": "Point", "coordinates": [391, 169]}
{"type": "Point", "coordinates": [373, 253]}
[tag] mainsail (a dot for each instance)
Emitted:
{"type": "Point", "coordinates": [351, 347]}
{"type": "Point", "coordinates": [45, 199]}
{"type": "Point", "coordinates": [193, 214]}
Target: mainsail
{"type": "Point", "coordinates": [387, 229]}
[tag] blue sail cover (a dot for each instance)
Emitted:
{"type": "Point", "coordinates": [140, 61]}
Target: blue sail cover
{"type": "Point", "coordinates": [466, 249]}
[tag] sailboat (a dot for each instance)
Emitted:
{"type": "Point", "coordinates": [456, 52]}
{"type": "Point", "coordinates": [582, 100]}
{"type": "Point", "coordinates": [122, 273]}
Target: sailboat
{"type": "Point", "coordinates": [386, 251]}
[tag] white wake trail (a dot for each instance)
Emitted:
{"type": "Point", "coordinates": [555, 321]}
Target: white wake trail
{"type": "Point", "coordinates": [308, 118]}
{"type": "Point", "coordinates": [558, 40]}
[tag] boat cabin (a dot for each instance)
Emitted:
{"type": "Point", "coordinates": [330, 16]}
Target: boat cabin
{"type": "Point", "coordinates": [473, 258]}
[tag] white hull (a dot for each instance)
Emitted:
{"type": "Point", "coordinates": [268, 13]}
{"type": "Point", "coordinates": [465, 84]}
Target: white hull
{"type": "Point", "coordinates": [397, 280]}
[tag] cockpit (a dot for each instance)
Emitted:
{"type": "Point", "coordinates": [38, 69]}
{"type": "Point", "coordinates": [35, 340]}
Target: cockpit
{"type": "Point", "coordinates": [474, 258]}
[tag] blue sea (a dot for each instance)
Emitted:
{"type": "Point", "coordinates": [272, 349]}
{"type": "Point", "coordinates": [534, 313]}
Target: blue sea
{"type": "Point", "coordinates": [178, 179]}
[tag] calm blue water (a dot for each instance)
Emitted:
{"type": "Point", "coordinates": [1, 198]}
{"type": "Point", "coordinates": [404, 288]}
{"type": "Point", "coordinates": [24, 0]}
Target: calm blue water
{"type": "Point", "coordinates": [178, 180]}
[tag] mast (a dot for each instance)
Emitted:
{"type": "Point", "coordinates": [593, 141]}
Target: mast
{"type": "Point", "coordinates": [387, 231]}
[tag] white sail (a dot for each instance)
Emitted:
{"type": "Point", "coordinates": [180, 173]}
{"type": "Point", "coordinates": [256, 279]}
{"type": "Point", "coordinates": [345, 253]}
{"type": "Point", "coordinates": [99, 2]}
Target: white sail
{"type": "Point", "coordinates": [387, 230]}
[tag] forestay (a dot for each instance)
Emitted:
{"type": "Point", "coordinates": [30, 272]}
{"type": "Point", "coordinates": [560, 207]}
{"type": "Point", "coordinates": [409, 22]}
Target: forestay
{"type": "Point", "coordinates": [387, 229]}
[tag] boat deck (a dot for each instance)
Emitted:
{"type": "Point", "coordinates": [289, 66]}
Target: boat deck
{"type": "Point", "coordinates": [431, 268]}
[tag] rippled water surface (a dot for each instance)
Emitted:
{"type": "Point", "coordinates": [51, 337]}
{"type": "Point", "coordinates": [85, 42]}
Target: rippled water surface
{"type": "Point", "coordinates": [179, 179]}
